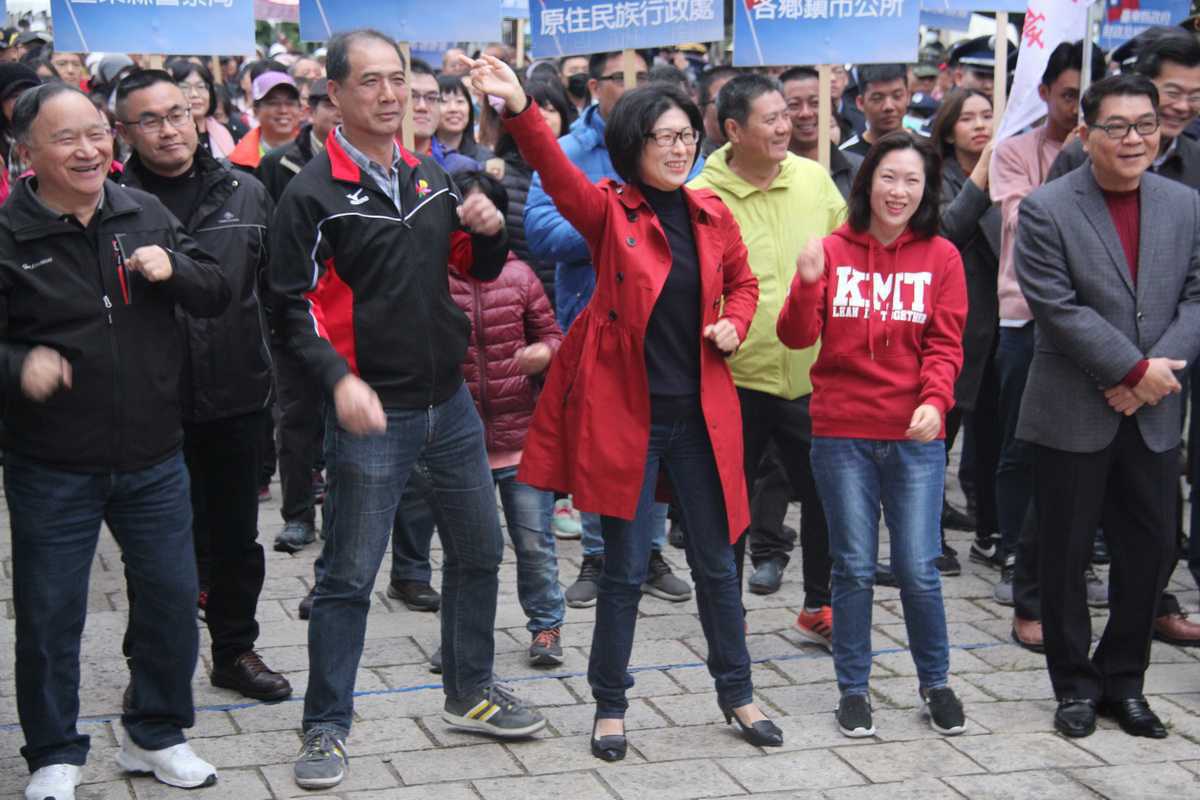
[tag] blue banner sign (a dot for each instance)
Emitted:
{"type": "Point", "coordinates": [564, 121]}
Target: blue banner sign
{"type": "Point", "coordinates": [194, 27]}
{"type": "Point", "coordinates": [781, 32]}
{"type": "Point", "coordinates": [1125, 19]}
{"type": "Point", "coordinates": [403, 20]}
{"type": "Point", "coordinates": [572, 27]}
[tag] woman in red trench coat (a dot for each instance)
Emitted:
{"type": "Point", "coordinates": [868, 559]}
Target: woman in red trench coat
{"type": "Point", "coordinates": [641, 386]}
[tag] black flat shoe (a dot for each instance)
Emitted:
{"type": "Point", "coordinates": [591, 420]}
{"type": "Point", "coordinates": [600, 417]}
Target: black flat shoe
{"type": "Point", "coordinates": [1134, 716]}
{"type": "Point", "coordinates": [608, 748]}
{"type": "Point", "coordinates": [1075, 717]}
{"type": "Point", "coordinates": [763, 733]}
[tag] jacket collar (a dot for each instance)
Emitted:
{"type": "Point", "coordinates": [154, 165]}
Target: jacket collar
{"type": "Point", "coordinates": [31, 220]}
{"type": "Point", "coordinates": [720, 173]}
{"type": "Point", "coordinates": [703, 205]}
{"type": "Point", "coordinates": [343, 168]}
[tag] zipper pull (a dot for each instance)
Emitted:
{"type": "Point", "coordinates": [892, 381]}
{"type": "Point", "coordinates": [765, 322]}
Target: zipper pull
{"type": "Point", "coordinates": [108, 305]}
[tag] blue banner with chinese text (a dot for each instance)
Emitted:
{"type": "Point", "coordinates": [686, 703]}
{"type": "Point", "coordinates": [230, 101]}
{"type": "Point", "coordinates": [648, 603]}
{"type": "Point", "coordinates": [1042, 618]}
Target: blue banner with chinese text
{"type": "Point", "coordinates": [572, 27]}
{"type": "Point", "coordinates": [1125, 19]}
{"type": "Point", "coordinates": [194, 27]}
{"type": "Point", "coordinates": [781, 32]}
{"type": "Point", "coordinates": [403, 20]}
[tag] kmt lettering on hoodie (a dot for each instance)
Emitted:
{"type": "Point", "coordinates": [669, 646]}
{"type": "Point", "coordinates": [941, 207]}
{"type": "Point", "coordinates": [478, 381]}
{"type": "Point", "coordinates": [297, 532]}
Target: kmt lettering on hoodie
{"type": "Point", "coordinates": [900, 294]}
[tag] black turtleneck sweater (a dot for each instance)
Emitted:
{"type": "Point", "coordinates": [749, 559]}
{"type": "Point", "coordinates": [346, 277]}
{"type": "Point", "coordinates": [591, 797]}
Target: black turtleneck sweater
{"type": "Point", "coordinates": [180, 194]}
{"type": "Point", "coordinates": [673, 335]}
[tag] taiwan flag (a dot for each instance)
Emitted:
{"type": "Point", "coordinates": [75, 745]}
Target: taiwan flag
{"type": "Point", "coordinates": [1115, 8]}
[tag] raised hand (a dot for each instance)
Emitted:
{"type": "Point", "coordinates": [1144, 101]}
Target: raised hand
{"type": "Point", "coordinates": [478, 215]}
{"type": "Point", "coordinates": [810, 265]}
{"type": "Point", "coordinates": [490, 75]}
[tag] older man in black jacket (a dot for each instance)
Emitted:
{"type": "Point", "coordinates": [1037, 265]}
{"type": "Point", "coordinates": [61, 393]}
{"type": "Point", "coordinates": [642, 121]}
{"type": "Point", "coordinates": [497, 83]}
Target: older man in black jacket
{"type": "Point", "coordinates": [91, 278]}
{"type": "Point", "coordinates": [226, 367]}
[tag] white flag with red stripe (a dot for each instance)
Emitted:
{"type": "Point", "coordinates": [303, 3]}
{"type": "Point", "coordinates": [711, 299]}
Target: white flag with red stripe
{"type": "Point", "coordinates": [1048, 23]}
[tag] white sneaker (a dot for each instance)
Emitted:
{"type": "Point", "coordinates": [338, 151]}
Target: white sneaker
{"type": "Point", "coordinates": [55, 782]}
{"type": "Point", "coordinates": [175, 766]}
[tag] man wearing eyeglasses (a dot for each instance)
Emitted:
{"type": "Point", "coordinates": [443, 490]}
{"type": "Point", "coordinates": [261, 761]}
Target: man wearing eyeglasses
{"type": "Point", "coordinates": [1172, 63]}
{"type": "Point", "coordinates": [1108, 259]}
{"type": "Point", "coordinates": [92, 276]}
{"type": "Point", "coordinates": [277, 109]}
{"type": "Point", "coordinates": [226, 365]}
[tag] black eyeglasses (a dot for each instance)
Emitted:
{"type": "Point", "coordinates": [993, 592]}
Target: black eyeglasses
{"type": "Point", "coordinates": [152, 124]}
{"type": "Point", "coordinates": [1119, 130]}
{"type": "Point", "coordinates": [666, 137]}
{"type": "Point", "coordinates": [619, 77]}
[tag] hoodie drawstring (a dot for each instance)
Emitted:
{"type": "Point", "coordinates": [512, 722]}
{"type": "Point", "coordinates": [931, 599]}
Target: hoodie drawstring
{"type": "Point", "coordinates": [895, 290]}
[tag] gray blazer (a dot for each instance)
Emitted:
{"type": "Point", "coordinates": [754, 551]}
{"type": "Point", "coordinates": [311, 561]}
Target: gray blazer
{"type": "Point", "coordinates": [1093, 326]}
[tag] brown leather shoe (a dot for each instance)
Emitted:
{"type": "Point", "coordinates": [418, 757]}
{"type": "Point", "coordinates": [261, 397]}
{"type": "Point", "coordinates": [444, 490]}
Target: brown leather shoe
{"type": "Point", "coordinates": [1028, 634]}
{"type": "Point", "coordinates": [249, 676]}
{"type": "Point", "coordinates": [1177, 629]}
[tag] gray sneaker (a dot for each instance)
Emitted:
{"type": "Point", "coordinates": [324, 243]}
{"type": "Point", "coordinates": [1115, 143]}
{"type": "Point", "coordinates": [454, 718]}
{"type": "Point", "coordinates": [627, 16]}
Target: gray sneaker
{"type": "Point", "coordinates": [496, 712]}
{"type": "Point", "coordinates": [661, 582]}
{"type": "Point", "coordinates": [1003, 593]}
{"type": "Point", "coordinates": [322, 762]}
{"type": "Point", "coordinates": [582, 593]}
{"type": "Point", "coordinates": [294, 536]}
{"type": "Point", "coordinates": [1097, 590]}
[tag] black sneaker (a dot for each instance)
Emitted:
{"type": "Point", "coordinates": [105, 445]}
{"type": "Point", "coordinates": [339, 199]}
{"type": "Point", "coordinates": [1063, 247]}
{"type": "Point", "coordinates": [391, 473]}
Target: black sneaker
{"type": "Point", "coordinates": [322, 762]}
{"type": "Point", "coordinates": [435, 661]}
{"type": "Point", "coordinates": [662, 582]}
{"type": "Point", "coordinates": [416, 595]}
{"type": "Point", "coordinates": [582, 593]}
{"type": "Point", "coordinates": [986, 550]}
{"type": "Point", "coordinates": [854, 716]}
{"type": "Point", "coordinates": [675, 535]}
{"type": "Point", "coordinates": [945, 711]}
{"type": "Point", "coordinates": [496, 712]}
{"type": "Point", "coordinates": [546, 648]}
{"type": "Point", "coordinates": [947, 563]}
{"type": "Point", "coordinates": [956, 520]}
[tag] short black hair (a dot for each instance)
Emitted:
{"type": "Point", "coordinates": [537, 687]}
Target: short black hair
{"type": "Point", "coordinates": [265, 65]}
{"type": "Point", "coordinates": [708, 78]}
{"type": "Point", "coordinates": [136, 81]}
{"type": "Point", "coordinates": [598, 61]}
{"type": "Point", "coordinates": [633, 118]}
{"type": "Point", "coordinates": [29, 105]}
{"type": "Point", "coordinates": [799, 74]}
{"type": "Point", "coordinates": [1068, 56]}
{"type": "Point", "coordinates": [337, 51]}
{"type": "Point", "coordinates": [1175, 47]}
{"type": "Point", "coordinates": [182, 70]}
{"type": "Point", "coordinates": [736, 97]}
{"type": "Point", "coordinates": [452, 84]}
{"type": "Point", "coordinates": [544, 93]}
{"type": "Point", "coordinates": [924, 222]}
{"type": "Point", "coordinates": [1116, 86]}
{"type": "Point", "coordinates": [947, 116]}
{"type": "Point", "coordinates": [492, 189]}
{"type": "Point", "coordinates": [880, 73]}
{"type": "Point", "coordinates": [665, 73]}
{"type": "Point", "coordinates": [420, 66]}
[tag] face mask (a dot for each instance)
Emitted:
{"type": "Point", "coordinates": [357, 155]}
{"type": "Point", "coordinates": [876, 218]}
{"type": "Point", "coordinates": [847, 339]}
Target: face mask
{"type": "Point", "coordinates": [497, 103]}
{"type": "Point", "coordinates": [577, 85]}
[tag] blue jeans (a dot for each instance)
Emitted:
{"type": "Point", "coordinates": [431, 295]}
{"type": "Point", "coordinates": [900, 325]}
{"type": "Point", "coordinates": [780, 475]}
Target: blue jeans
{"type": "Point", "coordinates": [372, 472]}
{"type": "Point", "coordinates": [1014, 472]}
{"type": "Point", "coordinates": [56, 518]}
{"type": "Point", "coordinates": [855, 477]}
{"type": "Point", "coordinates": [527, 513]}
{"type": "Point", "coordinates": [684, 450]}
{"type": "Point", "coordinates": [593, 537]}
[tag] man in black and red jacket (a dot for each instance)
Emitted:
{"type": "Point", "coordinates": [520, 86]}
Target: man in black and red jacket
{"type": "Point", "coordinates": [360, 244]}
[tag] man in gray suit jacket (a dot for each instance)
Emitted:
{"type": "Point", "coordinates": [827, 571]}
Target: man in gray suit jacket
{"type": "Point", "coordinates": [1108, 259]}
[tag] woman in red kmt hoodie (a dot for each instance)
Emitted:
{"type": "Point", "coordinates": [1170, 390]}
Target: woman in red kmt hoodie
{"type": "Point", "coordinates": [888, 300]}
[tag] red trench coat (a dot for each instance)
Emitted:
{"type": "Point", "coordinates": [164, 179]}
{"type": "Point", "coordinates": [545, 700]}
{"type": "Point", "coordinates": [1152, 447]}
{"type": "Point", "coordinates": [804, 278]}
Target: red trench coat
{"type": "Point", "coordinates": [591, 429]}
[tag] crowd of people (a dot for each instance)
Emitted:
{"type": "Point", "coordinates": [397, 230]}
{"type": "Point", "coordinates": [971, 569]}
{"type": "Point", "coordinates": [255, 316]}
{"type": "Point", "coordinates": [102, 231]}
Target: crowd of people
{"type": "Point", "coordinates": [633, 310]}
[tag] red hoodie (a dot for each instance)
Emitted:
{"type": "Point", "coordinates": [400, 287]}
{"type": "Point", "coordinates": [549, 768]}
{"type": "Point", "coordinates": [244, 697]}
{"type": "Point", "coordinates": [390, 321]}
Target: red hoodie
{"type": "Point", "coordinates": [876, 367]}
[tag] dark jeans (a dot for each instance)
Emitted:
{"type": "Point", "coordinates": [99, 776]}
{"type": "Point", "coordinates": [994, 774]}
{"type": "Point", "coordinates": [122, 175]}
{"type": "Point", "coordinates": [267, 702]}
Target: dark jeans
{"type": "Point", "coordinates": [682, 448]}
{"type": "Point", "coordinates": [527, 513]}
{"type": "Point", "coordinates": [1132, 490]}
{"type": "Point", "coordinates": [301, 428]}
{"type": "Point", "coordinates": [55, 518]}
{"type": "Point", "coordinates": [372, 472]}
{"type": "Point", "coordinates": [769, 499]}
{"type": "Point", "coordinates": [1014, 472]}
{"type": "Point", "coordinates": [765, 418]}
{"type": "Point", "coordinates": [223, 458]}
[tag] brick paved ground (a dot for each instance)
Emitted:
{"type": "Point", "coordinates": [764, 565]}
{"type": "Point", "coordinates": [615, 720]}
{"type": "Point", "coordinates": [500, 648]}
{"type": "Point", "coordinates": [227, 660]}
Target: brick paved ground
{"type": "Point", "coordinates": [679, 748]}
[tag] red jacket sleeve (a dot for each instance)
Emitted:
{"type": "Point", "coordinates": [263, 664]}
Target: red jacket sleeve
{"type": "Point", "coordinates": [803, 313]}
{"type": "Point", "coordinates": [740, 285]}
{"type": "Point", "coordinates": [941, 347]}
{"type": "Point", "coordinates": [581, 202]}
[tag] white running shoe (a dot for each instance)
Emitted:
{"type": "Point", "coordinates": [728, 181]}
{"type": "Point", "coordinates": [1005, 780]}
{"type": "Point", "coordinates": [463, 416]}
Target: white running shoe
{"type": "Point", "coordinates": [55, 782]}
{"type": "Point", "coordinates": [175, 766]}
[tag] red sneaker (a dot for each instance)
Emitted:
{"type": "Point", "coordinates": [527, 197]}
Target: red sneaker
{"type": "Point", "coordinates": [816, 627]}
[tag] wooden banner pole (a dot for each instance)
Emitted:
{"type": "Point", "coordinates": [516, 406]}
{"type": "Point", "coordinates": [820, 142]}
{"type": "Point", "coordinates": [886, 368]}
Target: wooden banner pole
{"type": "Point", "coordinates": [629, 67]}
{"type": "Point", "coordinates": [824, 113]}
{"type": "Point", "coordinates": [406, 129]}
{"type": "Point", "coordinates": [1000, 70]}
{"type": "Point", "coordinates": [520, 43]}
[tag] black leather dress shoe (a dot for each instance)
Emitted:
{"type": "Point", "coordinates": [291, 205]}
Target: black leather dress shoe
{"type": "Point", "coordinates": [252, 678]}
{"type": "Point", "coordinates": [767, 577]}
{"type": "Point", "coordinates": [1075, 717]}
{"type": "Point", "coordinates": [1134, 716]}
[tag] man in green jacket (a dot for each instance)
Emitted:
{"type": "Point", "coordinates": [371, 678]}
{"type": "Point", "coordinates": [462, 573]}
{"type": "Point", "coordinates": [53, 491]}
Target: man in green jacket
{"type": "Point", "coordinates": [781, 201]}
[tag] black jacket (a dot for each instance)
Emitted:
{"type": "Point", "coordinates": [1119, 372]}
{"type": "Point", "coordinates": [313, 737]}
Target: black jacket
{"type": "Point", "coordinates": [363, 287]}
{"type": "Point", "coordinates": [517, 177]}
{"type": "Point", "coordinates": [60, 287]}
{"type": "Point", "coordinates": [227, 361]}
{"type": "Point", "coordinates": [280, 165]}
{"type": "Point", "coordinates": [843, 166]}
{"type": "Point", "coordinates": [972, 223]}
{"type": "Point", "coordinates": [1181, 165]}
